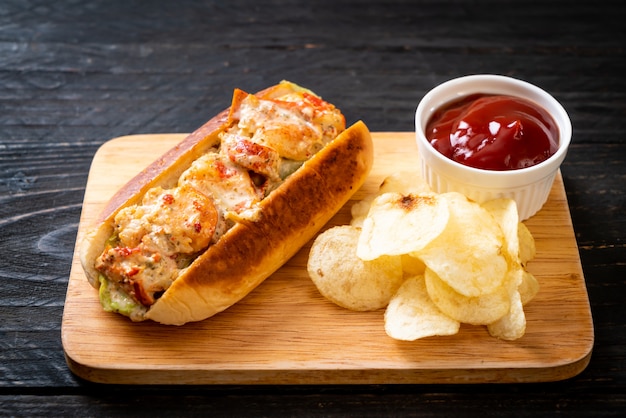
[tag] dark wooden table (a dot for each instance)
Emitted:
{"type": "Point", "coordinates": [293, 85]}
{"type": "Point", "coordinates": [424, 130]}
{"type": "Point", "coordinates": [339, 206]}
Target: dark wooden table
{"type": "Point", "coordinates": [75, 74]}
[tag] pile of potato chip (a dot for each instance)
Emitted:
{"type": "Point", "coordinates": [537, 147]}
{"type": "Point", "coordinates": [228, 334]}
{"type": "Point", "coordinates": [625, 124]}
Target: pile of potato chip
{"type": "Point", "coordinates": [433, 260]}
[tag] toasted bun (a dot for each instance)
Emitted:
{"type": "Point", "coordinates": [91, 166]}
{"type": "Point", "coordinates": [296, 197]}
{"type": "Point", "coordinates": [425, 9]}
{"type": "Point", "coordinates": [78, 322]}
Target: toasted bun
{"type": "Point", "coordinates": [164, 171]}
{"type": "Point", "coordinates": [252, 249]}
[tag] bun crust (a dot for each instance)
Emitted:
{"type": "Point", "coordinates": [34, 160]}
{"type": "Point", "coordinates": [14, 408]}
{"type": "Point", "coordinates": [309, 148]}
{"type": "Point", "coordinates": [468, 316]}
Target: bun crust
{"type": "Point", "coordinates": [252, 249]}
{"type": "Point", "coordinates": [164, 171]}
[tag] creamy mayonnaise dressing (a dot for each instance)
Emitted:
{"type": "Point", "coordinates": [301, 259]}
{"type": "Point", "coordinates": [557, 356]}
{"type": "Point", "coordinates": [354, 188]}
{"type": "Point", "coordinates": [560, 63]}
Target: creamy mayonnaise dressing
{"type": "Point", "coordinates": [152, 242]}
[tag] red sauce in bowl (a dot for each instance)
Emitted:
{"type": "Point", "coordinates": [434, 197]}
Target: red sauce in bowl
{"type": "Point", "coordinates": [493, 132]}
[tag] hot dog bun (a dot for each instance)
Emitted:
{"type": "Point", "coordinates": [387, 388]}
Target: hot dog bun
{"type": "Point", "coordinates": [255, 246]}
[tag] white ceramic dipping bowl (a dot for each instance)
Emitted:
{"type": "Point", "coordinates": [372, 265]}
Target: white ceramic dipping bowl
{"type": "Point", "coordinates": [530, 186]}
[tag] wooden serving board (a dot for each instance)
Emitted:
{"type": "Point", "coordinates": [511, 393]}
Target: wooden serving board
{"type": "Point", "coordinates": [284, 332]}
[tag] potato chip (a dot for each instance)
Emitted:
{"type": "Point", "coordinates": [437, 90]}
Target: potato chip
{"type": "Point", "coordinates": [412, 315]}
{"type": "Point", "coordinates": [404, 182]}
{"type": "Point", "coordinates": [451, 260]}
{"type": "Point", "coordinates": [468, 254]}
{"type": "Point", "coordinates": [513, 324]}
{"type": "Point", "coordinates": [521, 246]}
{"type": "Point", "coordinates": [528, 288]}
{"type": "Point", "coordinates": [412, 266]}
{"type": "Point", "coordinates": [505, 213]}
{"type": "Point", "coordinates": [527, 249]}
{"type": "Point", "coordinates": [343, 278]}
{"type": "Point", "coordinates": [400, 224]}
{"type": "Point", "coordinates": [477, 310]}
{"type": "Point", "coordinates": [360, 210]}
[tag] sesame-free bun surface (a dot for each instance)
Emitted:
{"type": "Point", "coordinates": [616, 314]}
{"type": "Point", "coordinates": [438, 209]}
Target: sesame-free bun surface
{"type": "Point", "coordinates": [289, 217]}
{"type": "Point", "coordinates": [253, 248]}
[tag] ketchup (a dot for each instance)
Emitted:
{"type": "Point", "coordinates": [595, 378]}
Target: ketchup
{"type": "Point", "coordinates": [493, 132]}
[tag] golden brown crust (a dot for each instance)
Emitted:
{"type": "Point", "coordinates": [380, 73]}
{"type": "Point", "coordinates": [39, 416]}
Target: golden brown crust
{"type": "Point", "coordinates": [164, 171]}
{"type": "Point", "coordinates": [252, 250]}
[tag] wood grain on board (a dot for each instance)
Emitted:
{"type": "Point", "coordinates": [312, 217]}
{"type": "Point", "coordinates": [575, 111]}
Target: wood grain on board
{"type": "Point", "coordinates": [284, 332]}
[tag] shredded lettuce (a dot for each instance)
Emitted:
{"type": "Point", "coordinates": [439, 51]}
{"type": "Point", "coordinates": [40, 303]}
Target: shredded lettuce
{"type": "Point", "coordinates": [114, 299]}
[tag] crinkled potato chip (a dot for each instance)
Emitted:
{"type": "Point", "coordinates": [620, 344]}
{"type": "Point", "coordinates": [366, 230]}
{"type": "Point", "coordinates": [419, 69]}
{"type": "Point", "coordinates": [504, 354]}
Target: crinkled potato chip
{"type": "Point", "coordinates": [504, 211]}
{"type": "Point", "coordinates": [468, 254]}
{"type": "Point", "coordinates": [527, 249]}
{"type": "Point", "coordinates": [401, 224]}
{"type": "Point", "coordinates": [412, 266]}
{"type": "Point", "coordinates": [343, 278]}
{"type": "Point", "coordinates": [435, 261]}
{"type": "Point", "coordinates": [477, 310]}
{"type": "Point", "coordinates": [359, 211]}
{"type": "Point", "coordinates": [528, 288]}
{"type": "Point", "coordinates": [521, 247]}
{"type": "Point", "coordinates": [404, 182]}
{"type": "Point", "coordinates": [411, 314]}
{"type": "Point", "coordinates": [512, 325]}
